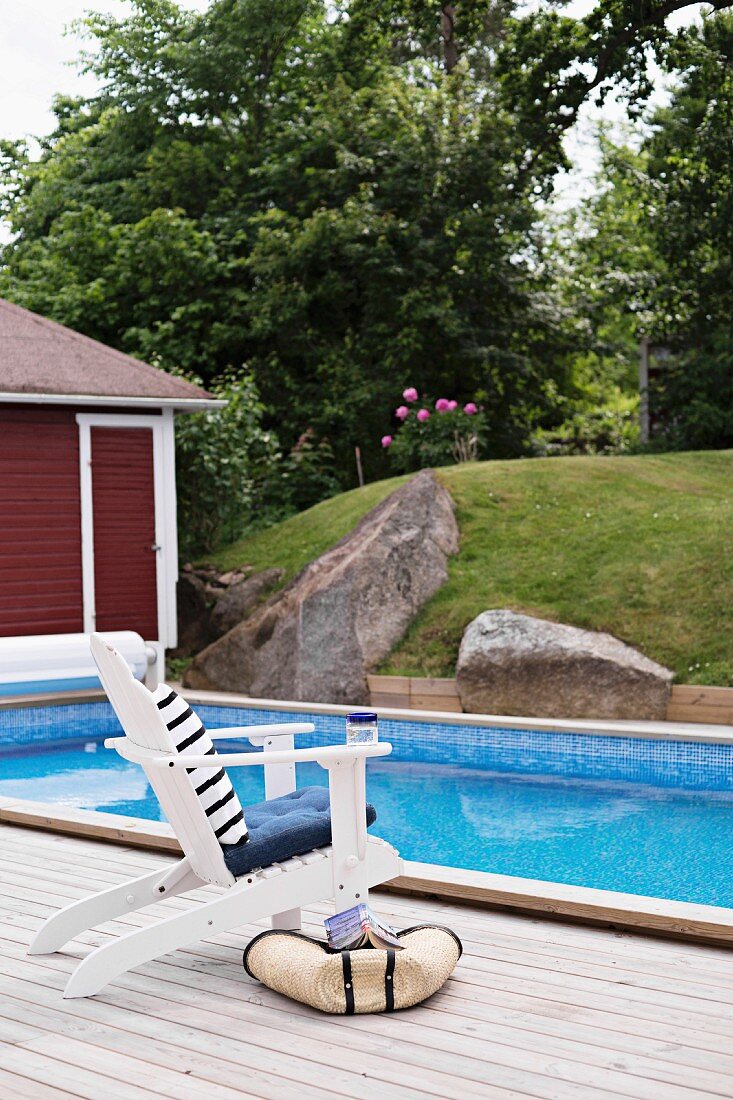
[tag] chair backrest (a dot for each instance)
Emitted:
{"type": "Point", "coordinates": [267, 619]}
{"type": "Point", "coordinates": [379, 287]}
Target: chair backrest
{"type": "Point", "coordinates": [142, 724]}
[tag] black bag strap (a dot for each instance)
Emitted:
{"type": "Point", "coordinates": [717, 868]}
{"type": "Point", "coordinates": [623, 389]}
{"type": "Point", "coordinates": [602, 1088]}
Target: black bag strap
{"type": "Point", "coordinates": [348, 982]}
{"type": "Point", "coordinates": [389, 982]}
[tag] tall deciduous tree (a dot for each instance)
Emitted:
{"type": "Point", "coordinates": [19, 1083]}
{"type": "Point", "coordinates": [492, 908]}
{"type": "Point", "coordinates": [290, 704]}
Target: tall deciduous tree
{"type": "Point", "coordinates": [651, 254]}
{"type": "Point", "coordinates": [340, 196]}
{"type": "Point", "coordinates": [691, 214]}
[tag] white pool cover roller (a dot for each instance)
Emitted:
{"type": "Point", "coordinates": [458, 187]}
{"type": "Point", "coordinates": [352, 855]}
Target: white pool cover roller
{"type": "Point", "coordinates": [63, 662]}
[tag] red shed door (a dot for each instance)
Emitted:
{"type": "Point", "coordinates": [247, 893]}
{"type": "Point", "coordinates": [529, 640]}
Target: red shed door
{"type": "Point", "coordinates": [40, 516]}
{"type": "Point", "coordinates": [123, 510]}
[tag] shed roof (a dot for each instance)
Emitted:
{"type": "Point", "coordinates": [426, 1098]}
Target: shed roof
{"type": "Point", "coordinates": [41, 360]}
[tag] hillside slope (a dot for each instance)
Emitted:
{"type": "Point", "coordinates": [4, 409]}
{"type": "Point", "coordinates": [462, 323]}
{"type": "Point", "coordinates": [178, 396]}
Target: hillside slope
{"type": "Point", "coordinates": [639, 546]}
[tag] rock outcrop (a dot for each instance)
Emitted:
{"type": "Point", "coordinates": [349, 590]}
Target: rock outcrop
{"type": "Point", "coordinates": [316, 639]}
{"type": "Point", "coordinates": [193, 610]}
{"type": "Point", "coordinates": [516, 664]}
{"type": "Point", "coordinates": [239, 600]}
{"type": "Point", "coordinates": [210, 603]}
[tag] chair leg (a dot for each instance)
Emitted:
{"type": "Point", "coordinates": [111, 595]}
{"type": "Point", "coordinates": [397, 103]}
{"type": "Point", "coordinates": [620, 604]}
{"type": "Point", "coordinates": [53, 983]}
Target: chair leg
{"type": "Point", "coordinates": [290, 920]}
{"type": "Point", "coordinates": [243, 903]}
{"type": "Point", "coordinates": [115, 902]}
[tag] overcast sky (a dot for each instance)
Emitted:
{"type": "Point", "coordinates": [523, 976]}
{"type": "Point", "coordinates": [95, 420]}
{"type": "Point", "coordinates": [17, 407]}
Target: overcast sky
{"type": "Point", "coordinates": [36, 58]}
{"type": "Point", "coordinates": [36, 61]}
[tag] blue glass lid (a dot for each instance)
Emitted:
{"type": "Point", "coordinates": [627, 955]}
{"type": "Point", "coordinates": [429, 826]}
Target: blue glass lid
{"type": "Point", "coordinates": [362, 716]}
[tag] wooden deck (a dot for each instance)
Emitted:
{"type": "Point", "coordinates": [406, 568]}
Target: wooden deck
{"type": "Point", "coordinates": [535, 1008]}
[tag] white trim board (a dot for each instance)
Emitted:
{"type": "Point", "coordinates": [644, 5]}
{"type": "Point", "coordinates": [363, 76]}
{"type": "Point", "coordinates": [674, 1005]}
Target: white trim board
{"type": "Point", "coordinates": [164, 482]}
{"type": "Point", "coordinates": [180, 404]}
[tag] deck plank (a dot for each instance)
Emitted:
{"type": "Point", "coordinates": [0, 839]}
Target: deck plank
{"type": "Point", "coordinates": [470, 1042]}
{"type": "Point", "coordinates": [21, 1088]}
{"type": "Point", "coordinates": [641, 996]}
{"type": "Point", "coordinates": [510, 1009]}
{"type": "Point", "coordinates": [525, 926]}
{"type": "Point", "coordinates": [535, 1009]}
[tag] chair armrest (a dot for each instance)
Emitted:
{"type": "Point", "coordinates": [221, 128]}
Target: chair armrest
{"type": "Point", "coordinates": [326, 755]}
{"type": "Point", "coordinates": [346, 781]}
{"type": "Point", "coordinates": [280, 779]}
{"type": "Point", "coordinates": [285, 729]}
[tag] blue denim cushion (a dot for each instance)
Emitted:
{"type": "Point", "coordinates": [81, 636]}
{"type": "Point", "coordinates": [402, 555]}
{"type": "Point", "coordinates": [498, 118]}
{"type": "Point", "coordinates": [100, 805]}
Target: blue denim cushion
{"type": "Point", "coordinates": [284, 827]}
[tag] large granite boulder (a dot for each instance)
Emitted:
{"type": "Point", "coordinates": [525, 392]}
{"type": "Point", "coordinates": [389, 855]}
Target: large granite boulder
{"type": "Point", "coordinates": [316, 639]}
{"type": "Point", "coordinates": [516, 664]}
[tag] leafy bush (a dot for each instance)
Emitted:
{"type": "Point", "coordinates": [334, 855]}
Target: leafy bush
{"type": "Point", "coordinates": [449, 434]}
{"type": "Point", "coordinates": [693, 398]}
{"type": "Point", "coordinates": [591, 432]}
{"type": "Point", "coordinates": [307, 475]}
{"type": "Point", "coordinates": [226, 463]}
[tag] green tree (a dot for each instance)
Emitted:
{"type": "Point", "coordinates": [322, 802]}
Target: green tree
{"type": "Point", "coordinates": [691, 217]}
{"type": "Point", "coordinates": [343, 197]}
{"type": "Point", "coordinates": [690, 195]}
{"type": "Point", "coordinates": [226, 466]}
{"type": "Point", "coordinates": [651, 253]}
{"type": "Point", "coordinates": [606, 269]}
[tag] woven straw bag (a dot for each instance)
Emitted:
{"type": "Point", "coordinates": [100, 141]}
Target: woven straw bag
{"type": "Point", "coordinates": [350, 982]}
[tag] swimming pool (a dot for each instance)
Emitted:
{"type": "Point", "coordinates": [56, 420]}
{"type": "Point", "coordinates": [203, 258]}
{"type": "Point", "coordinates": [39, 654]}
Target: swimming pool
{"type": "Point", "coordinates": [639, 816]}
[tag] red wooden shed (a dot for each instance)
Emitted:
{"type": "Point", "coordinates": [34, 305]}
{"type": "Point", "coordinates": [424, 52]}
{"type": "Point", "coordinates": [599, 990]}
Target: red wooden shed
{"type": "Point", "coordinates": [87, 484]}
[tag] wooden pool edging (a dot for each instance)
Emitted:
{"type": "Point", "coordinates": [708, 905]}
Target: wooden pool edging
{"type": "Point", "coordinates": [531, 897]}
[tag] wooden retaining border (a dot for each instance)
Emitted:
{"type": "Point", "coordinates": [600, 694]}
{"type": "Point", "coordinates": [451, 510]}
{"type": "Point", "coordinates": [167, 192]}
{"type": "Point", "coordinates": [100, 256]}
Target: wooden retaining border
{"type": "Point", "coordinates": [414, 693]}
{"type": "Point", "coordinates": [529, 897]}
{"type": "Point", "coordinates": [688, 702]}
{"type": "Point", "coordinates": [692, 703]}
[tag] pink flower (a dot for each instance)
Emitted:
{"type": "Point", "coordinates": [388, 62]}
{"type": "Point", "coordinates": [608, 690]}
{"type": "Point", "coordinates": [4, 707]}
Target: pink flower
{"type": "Point", "coordinates": [423, 415]}
{"type": "Point", "coordinates": [410, 394]}
{"type": "Point", "coordinates": [386, 440]}
{"type": "Point", "coordinates": [402, 413]}
{"type": "Point", "coordinates": [442, 404]}
{"type": "Point", "coordinates": [452, 406]}
{"type": "Point", "coordinates": [470, 409]}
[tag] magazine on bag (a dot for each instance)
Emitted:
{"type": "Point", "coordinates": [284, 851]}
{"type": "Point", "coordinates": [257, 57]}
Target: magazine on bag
{"type": "Point", "coordinates": [360, 927]}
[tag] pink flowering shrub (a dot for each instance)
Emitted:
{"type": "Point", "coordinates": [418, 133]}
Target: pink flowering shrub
{"type": "Point", "coordinates": [456, 434]}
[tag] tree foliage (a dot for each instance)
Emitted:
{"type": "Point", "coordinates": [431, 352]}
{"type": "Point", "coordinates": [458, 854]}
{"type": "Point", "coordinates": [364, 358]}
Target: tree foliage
{"type": "Point", "coordinates": [226, 466]}
{"type": "Point", "coordinates": [691, 217]}
{"type": "Point", "coordinates": [651, 253]}
{"type": "Point", "coordinates": [340, 196]}
{"type": "Point", "coordinates": [690, 194]}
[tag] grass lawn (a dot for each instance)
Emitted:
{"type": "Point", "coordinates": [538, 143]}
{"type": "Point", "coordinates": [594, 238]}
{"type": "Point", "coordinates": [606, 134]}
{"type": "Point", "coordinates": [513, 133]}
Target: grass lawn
{"type": "Point", "coordinates": [638, 546]}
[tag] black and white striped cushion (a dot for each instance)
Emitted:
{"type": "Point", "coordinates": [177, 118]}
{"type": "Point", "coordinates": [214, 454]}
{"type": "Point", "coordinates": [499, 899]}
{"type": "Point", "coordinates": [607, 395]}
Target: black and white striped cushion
{"type": "Point", "coordinates": [212, 785]}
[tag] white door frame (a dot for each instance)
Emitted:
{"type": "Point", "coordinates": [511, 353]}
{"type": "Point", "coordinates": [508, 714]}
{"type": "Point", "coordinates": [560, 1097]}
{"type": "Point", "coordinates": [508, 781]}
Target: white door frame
{"type": "Point", "coordinates": [164, 491]}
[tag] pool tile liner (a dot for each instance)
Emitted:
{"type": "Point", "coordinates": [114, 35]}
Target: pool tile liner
{"type": "Point", "coordinates": [687, 765]}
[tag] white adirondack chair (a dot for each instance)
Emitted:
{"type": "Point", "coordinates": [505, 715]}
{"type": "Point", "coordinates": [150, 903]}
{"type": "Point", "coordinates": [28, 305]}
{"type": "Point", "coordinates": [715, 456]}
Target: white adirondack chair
{"type": "Point", "coordinates": [343, 871]}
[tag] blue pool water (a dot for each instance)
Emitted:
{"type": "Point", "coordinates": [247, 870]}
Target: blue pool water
{"type": "Point", "coordinates": [644, 817]}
